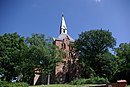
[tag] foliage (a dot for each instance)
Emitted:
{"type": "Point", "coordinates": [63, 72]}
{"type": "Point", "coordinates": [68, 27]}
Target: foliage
{"type": "Point", "coordinates": [91, 47]}
{"type": "Point", "coordinates": [17, 84]}
{"type": "Point", "coordinates": [123, 56]}
{"type": "Point", "coordinates": [92, 80]}
{"type": "Point", "coordinates": [12, 47]}
{"type": "Point", "coordinates": [43, 53]}
{"type": "Point", "coordinates": [108, 65]}
{"type": "Point", "coordinates": [19, 57]}
{"type": "Point", "coordinates": [3, 84]}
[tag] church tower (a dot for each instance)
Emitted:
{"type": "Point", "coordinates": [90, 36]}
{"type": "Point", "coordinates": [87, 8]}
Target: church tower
{"type": "Point", "coordinates": [68, 69]}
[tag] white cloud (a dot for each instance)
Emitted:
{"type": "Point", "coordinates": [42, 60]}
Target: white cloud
{"type": "Point", "coordinates": [98, 0]}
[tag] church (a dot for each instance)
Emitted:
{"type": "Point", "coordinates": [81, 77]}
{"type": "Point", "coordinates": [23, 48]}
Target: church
{"type": "Point", "coordinates": [67, 70]}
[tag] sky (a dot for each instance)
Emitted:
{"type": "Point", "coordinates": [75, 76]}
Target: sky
{"type": "Point", "coordinates": [44, 16]}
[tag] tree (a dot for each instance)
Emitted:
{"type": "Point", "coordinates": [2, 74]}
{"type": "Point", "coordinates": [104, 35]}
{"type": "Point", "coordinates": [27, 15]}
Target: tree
{"type": "Point", "coordinates": [20, 57]}
{"type": "Point", "coordinates": [91, 45]}
{"type": "Point", "coordinates": [12, 48]}
{"type": "Point", "coordinates": [44, 53]}
{"type": "Point", "coordinates": [108, 64]}
{"type": "Point", "coordinates": [123, 55]}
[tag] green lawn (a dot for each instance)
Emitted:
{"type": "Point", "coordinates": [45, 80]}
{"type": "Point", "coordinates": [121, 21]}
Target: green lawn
{"type": "Point", "coordinates": [56, 85]}
{"type": "Point", "coordinates": [61, 85]}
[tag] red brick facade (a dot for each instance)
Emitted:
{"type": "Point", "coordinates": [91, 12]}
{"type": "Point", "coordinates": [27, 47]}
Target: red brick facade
{"type": "Point", "coordinates": [68, 69]}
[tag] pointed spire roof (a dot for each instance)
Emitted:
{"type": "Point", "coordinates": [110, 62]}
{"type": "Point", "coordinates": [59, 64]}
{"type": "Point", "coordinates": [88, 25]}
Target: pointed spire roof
{"type": "Point", "coordinates": [63, 28]}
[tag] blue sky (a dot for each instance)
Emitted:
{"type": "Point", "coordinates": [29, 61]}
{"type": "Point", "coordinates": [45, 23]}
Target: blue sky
{"type": "Point", "coordinates": [44, 16]}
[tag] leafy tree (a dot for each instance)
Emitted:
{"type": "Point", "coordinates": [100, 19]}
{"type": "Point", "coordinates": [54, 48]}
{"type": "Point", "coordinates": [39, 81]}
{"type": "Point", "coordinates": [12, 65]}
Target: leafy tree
{"type": "Point", "coordinates": [12, 47]}
{"type": "Point", "coordinates": [108, 65]}
{"type": "Point", "coordinates": [91, 47]}
{"type": "Point", "coordinates": [44, 53]}
{"type": "Point", "coordinates": [123, 55]}
{"type": "Point", "coordinates": [20, 57]}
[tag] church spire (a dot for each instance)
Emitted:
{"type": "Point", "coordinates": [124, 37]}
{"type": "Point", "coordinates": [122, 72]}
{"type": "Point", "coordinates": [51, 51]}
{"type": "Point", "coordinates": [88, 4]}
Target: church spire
{"type": "Point", "coordinates": [63, 28]}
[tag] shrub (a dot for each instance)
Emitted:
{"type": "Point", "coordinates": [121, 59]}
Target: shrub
{"type": "Point", "coordinates": [17, 84]}
{"type": "Point", "coordinates": [3, 84]}
{"type": "Point", "coordinates": [92, 80]}
{"type": "Point", "coordinates": [98, 80]}
{"type": "Point", "coordinates": [78, 81]}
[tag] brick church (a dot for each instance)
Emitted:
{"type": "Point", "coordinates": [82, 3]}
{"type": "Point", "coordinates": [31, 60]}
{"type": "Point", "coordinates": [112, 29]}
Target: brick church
{"type": "Point", "coordinates": [67, 70]}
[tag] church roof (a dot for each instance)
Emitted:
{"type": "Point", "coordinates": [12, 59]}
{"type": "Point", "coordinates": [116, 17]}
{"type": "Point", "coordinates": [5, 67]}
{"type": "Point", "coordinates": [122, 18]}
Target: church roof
{"type": "Point", "coordinates": [63, 31]}
{"type": "Point", "coordinates": [62, 36]}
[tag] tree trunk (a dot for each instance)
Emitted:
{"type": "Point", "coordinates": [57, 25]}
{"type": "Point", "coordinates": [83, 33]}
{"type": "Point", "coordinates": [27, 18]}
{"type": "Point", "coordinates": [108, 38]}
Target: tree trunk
{"type": "Point", "coordinates": [48, 79]}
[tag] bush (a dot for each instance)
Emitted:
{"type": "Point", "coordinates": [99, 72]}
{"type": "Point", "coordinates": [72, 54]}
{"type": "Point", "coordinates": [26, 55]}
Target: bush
{"type": "Point", "coordinates": [98, 80]}
{"type": "Point", "coordinates": [3, 84]}
{"type": "Point", "coordinates": [92, 80]}
{"type": "Point", "coordinates": [17, 84]}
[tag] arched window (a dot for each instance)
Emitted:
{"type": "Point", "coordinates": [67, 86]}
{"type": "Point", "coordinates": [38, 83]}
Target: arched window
{"type": "Point", "coordinates": [71, 54]}
{"type": "Point", "coordinates": [64, 31]}
{"type": "Point", "coordinates": [63, 46]}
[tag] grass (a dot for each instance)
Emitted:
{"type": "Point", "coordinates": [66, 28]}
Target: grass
{"type": "Point", "coordinates": [62, 85]}
{"type": "Point", "coordinates": [56, 85]}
